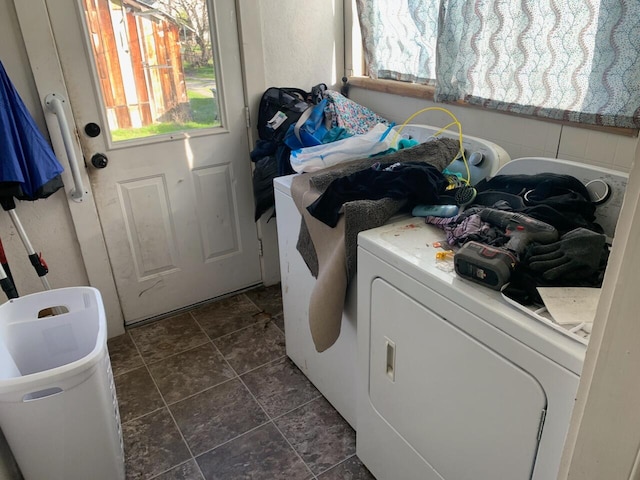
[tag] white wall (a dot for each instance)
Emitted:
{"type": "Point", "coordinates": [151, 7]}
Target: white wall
{"type": "Point", "coordinates": [47, 222]}
{"type": "Point", "coordinates": [521, 137]}
{"type": "Point", "coordinates": [303, 42]}
{"type": "Point", "coordinates": [604, 435]}
{"type": "Point", "coordinates": [288, 44]}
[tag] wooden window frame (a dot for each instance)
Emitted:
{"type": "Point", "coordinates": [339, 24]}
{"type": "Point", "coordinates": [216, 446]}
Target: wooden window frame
{"type": "Point", "coordinates": [425, 92]}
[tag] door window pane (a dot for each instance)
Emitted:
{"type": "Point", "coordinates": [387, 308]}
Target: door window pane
{"type": "Point", "coordinates": [154, 61]}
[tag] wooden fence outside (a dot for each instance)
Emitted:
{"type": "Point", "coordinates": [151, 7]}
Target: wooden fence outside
{"type": "Point", "coordinates": [137, 54]}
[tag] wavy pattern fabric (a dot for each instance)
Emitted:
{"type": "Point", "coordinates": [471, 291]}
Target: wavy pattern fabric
{"type": "Point", "coordinates": [560, 59]}
{"type": "Point", "coordinates": [399, 38]}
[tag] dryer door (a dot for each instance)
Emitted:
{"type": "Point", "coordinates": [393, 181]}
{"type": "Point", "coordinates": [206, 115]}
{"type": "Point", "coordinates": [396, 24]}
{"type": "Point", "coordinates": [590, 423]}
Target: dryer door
{"type": "Point", "coordinates": [470, 413]}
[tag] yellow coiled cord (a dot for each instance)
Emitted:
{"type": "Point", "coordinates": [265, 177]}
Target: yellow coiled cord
{"type": "Point", "coordinates": [455, 122]}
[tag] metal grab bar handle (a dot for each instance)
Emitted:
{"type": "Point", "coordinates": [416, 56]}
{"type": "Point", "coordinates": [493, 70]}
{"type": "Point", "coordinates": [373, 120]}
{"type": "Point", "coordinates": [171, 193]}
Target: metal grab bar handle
{"type": "Point", "coordinates": [54, 104]}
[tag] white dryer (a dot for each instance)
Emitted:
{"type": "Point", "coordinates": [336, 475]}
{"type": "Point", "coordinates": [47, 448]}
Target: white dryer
{"type": "Point", "coordinates": [455, 383]}
{"type": "Point", "coordinates": [334, 372]}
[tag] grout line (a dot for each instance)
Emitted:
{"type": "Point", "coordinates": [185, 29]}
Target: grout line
{"type": "Point", "coordinates": [175, 423]}
{"type": "Point", "coordinates": [273, 320]}
{"type": "Point", "coordinates": [177, 353]}
{"type": "Point", "coordinates": [128, 371]}
{"type": "Point", "coordinates": [236, 437]}
{"type": "Point", "coordinates": [167, 407]}
{"type": "Point", "coordinates": [301, 406]}
{"type": "Point", "coordinates": [176, 466]}
{"type": "Point", "coordinates": [270, 420]}
{"type": "Point", "coordinates": [263, 365]}
{"type": "Point", "coordinates": [126, 332]}
{"type": "Point", "coordinates": [203, 390]}
{"type": "Point", "coordinates": [254, 303]}
{"type": "Point", "coordinates": [269, 416]}
{"type": "Point", "coordinates": [298, 407]}
{"type": "Point", "coordinates": [265, 288]}
{"type": "Point", "coordinates": [142, 416]}
{"type": "Point", "coordinates": [278, 429]}
{"type": "Point", "coordinates": [225, 360]}
{"type": "Point", "coordinates": [190, 308]}
{"type": "Point", "coordinates": [146, 365]}
{"type": "Point", "coordinates": [239, 330]}
{"type": "Point", "coordinates": [313, 475]}
{"type": "Point", "coordinates": [337, 464]}
{"type": "Point", "coordinates": [236, 377]}
{"type": "Point", "coordinates": [145, 362]}
{"type": "Point", "coordinates": [226, 334]}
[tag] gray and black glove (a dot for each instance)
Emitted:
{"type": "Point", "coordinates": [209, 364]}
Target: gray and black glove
{"type": "Point", "coordinates": [578, 252]}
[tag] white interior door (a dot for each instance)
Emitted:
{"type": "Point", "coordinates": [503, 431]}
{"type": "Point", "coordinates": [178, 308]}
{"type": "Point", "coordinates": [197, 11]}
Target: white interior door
{"type": "Point", "coordinates": [174, 198]}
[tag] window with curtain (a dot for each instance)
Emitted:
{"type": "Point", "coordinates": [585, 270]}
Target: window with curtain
{"type": "Point", "coordinates": [563, 59]}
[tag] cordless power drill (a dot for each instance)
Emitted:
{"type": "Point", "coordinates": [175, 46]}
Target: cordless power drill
{"type": "Point", "coordinates": [492, 266]}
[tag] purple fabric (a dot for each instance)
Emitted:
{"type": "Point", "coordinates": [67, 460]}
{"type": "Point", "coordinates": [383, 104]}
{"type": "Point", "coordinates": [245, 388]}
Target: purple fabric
{"type": "Point", "coordinates": [459, 230]}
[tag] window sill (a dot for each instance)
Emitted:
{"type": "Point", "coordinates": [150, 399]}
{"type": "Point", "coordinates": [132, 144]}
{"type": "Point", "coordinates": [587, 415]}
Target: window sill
{"type": "Point", "coordinates": [425, 92]}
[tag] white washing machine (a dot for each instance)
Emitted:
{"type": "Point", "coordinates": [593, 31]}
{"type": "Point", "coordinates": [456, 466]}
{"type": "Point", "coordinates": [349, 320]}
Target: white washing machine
{"type": "Point", "coordinates": [456, 383]}
{"type": "Point", "coordinates": [334, 372]}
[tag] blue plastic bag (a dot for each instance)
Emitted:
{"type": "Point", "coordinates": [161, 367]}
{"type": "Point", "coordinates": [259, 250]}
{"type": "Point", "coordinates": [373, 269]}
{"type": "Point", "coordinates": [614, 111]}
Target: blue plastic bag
{"type": "Point", "coordinates": [310, 128]}
{"type": "Point", "coordinates": [312, 159]}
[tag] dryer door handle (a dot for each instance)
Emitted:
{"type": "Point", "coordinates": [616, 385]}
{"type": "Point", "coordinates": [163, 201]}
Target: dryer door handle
{"type": "Point", "coordinates": [391, 359]}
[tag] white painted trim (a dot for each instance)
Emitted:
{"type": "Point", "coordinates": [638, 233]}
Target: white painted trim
{"type": "Point", "coordinates": [47, 72]}
{"type": "Point", "coordinates": [253, 73]}
{"type": "Point", "coordinates": [254, 78]}
{"type": "Point", "coordinates": [353, 54]}
{"type": "Point", "coordinates": [604, 435]}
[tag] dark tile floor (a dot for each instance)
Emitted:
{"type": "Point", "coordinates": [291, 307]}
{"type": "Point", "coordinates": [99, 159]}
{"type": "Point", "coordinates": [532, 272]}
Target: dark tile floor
{"type": "Point", "coordinates": [209, 394]}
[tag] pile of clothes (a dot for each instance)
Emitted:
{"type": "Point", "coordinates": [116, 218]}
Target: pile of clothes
{"type": "Point", "coordinates": [578, 258]}
{"type": "Point", "coordinates": [339, 202]}
{"type": "Point", "coordinates": [331, 117]}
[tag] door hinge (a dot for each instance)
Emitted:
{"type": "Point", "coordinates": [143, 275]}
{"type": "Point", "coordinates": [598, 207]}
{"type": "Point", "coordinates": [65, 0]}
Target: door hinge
{"type": "Point", "coordinates": [247, 117]}
{"type": "Point", "coordinates": [260, 249]}
{"type": "Point", "coordinates": [543, 416]}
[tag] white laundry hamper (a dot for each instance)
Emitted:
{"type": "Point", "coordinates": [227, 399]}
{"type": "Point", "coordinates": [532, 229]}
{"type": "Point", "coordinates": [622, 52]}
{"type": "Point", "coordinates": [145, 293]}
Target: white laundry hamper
{"type": "Point", "coordinates": [58, 407]}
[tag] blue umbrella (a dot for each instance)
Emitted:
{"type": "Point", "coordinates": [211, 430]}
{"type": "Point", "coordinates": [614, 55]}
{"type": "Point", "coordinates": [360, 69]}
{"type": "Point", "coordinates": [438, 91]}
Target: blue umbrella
{"type": "Point", "coordinates": [29, 169]}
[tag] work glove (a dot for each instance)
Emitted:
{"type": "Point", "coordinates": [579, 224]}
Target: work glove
{"type": "Point", "coordinates": [577, 252]}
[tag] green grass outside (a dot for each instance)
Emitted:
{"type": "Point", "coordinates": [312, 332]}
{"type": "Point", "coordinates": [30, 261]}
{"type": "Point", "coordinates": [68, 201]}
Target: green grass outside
{"type": "Point", "coordinates": [204, 73]}
{"type": "Point", "coordinates": [203, 111]}
{"type": "Point", "coordinates": [203, 108]}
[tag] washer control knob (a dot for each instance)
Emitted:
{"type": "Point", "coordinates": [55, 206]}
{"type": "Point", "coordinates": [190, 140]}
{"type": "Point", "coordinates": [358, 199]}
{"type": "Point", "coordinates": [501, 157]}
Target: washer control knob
{"type": "Point", "coordinates": [460, 157]}
{"type": "Point", "coordinates": [475, 158]}
{"type": "Point", "coordinates": [599, 191]}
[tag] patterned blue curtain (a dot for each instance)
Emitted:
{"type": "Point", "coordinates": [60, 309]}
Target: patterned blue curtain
{"type": "Point", "coordinates": [400, 38]}
{"type": "Point", "coordinates": [562, 59]}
